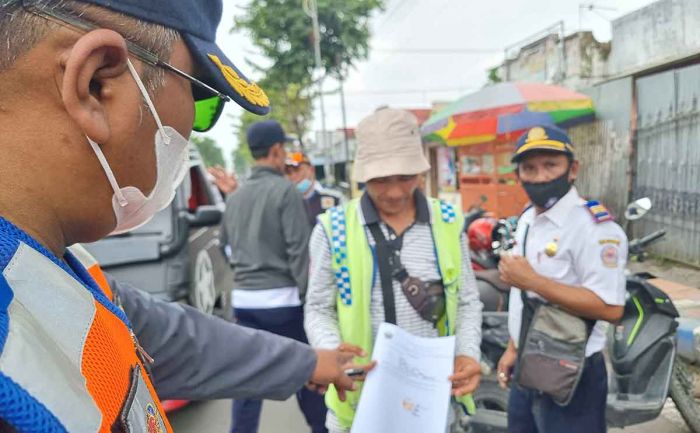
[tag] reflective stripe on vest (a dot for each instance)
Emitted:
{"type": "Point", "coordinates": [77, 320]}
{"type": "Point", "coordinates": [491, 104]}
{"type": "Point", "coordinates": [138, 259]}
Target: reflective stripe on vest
{"type": "Point", "coordinates": [93, 268]}
{"type": "Point", "coordinates": [354, 267]}
{"type": "Point", "coordinates": [70, 353]}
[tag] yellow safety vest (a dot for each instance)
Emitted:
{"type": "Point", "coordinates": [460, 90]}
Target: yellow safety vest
{"type": "Point", "coordinates": [354, 267]}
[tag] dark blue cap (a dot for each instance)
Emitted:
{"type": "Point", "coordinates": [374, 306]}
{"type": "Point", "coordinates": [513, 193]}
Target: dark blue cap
{"type": "Point", "coordinates": [197, 20]}
{"type": "Point", "coordinates": [265, 134]}
{"type": "Point", "coordinates": [548, 138]}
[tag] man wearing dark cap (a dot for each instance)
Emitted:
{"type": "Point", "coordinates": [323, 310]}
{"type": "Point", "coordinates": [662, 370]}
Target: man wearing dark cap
{"type": "Point", "coordinates": [569, 254]}
{"type": "Point", "coordinates": [265, 225]}
{"type": "Point", "coordinates": [317, 198]}
{"type": "Point", "coordinates": [98, 99]}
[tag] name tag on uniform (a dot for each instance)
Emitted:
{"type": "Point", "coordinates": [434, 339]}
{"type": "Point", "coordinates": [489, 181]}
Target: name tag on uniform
{"type": "Point", "coordinates": [140, 413]}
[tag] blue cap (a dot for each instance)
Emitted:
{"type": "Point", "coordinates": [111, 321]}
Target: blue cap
{"type": "Point", "coordinates": [197, 20]}
{"type": "Point", "coordinates": [265, 134]}
{"type": "Point", "coordinates": [548, 138]}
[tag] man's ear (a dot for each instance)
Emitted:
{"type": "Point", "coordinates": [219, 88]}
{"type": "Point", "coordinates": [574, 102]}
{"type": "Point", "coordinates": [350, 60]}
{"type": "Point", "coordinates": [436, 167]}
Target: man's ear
{"type": "Point", "coordinates": [573, 171]}
{"type": "Point", "coordinates": [96, 57]}
{"type": "Point", "coordinates": [278, 148]}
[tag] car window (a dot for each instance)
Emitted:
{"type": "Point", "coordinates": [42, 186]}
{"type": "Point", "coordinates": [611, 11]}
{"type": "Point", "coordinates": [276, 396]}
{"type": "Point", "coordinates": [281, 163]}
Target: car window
{"type": "Point", "coordinates": [200, 194]}
{"type": "Point", "coordinates": [162, 224]}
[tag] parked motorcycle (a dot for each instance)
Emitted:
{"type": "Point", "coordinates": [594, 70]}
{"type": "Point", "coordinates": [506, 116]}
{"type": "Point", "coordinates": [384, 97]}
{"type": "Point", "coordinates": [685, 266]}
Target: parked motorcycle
{"type": "Point", "coordinates": [643, 352]}
{"type": "Point", "coordinates": [487, 238]}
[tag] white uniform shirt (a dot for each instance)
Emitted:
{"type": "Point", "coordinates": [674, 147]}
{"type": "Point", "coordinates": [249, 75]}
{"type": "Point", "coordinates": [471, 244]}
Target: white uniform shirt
{"type": "Point", "coordinates": [588, 254]}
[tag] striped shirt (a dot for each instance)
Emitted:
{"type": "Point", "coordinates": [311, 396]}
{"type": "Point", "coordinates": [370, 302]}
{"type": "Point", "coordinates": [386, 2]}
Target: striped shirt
{"type": "Point", "coordinates": [419, 259]}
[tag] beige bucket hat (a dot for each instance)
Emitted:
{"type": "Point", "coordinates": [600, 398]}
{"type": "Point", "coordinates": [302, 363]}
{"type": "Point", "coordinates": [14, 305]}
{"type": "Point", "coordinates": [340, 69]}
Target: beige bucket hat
{"type": "Point", "coordinates": [388, 144]}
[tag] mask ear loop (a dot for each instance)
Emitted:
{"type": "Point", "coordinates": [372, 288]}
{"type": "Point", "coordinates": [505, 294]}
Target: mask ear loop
{"type": "Point", "coordinates": [108, 171]}
{"type": "Point", "coordinates": [147, 98]}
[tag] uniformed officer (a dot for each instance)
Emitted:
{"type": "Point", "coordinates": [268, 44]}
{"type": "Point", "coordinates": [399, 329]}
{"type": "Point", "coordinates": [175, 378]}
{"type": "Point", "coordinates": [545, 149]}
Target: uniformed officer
{"type": "Point", "coordinates": [318, 199]}
{"type": "Point", "coordinates": [98, 99]}
{"type": "Point", "coordinates": [571, 254]}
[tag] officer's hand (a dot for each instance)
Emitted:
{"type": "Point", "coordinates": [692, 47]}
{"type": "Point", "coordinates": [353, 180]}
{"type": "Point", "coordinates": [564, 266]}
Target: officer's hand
{"type": "Point", "coordinates": [331, 366]}
{"type": "Point", "coordinates": [226, 182]}
{"type": "Point", "coordinates": [516, 271]}
{"type": "Point", "coordinates": [505, 366]}
{"type": "Point", "coordinates": [467, 376]}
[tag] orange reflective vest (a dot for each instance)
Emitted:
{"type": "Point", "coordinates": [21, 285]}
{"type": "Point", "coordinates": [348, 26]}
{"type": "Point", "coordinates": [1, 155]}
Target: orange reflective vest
{"type": "Point", "coordinates": [69, 361]}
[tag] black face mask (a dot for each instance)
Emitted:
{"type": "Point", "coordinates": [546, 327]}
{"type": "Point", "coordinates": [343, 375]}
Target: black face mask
{"type": "Point", "coordinates": [547, 194]}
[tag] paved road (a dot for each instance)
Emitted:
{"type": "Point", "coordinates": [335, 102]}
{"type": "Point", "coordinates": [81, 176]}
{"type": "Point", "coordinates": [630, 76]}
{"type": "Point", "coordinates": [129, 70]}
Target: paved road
{"type": "Point", "coordinates": [285, 417]}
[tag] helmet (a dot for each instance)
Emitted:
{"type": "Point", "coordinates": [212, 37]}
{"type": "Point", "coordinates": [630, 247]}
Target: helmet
{"type": "Point", "coordinates": [479, 233]}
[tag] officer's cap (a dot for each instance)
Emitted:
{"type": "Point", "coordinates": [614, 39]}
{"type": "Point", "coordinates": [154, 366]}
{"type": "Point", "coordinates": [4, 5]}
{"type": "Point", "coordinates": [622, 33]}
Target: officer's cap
{"type": "Point", "coordinates": [548, 138]}
{"type": "Point", "coordinates": [197, 20]}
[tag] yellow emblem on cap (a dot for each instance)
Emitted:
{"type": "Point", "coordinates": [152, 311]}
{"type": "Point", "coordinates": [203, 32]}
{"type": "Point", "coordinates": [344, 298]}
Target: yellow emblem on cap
{"type": "Point", "coordinates": [537, 133]}
{"type": "Point", "coordinates": [250, 91]}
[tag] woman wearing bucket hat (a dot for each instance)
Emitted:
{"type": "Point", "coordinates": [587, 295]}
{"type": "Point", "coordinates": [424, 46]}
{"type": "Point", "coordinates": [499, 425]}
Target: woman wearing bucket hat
{"type": "Point", "coordinates": [419, 242]}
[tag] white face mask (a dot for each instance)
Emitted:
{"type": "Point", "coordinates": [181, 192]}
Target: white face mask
{"type": "Point", "coordinates": [131, 207]}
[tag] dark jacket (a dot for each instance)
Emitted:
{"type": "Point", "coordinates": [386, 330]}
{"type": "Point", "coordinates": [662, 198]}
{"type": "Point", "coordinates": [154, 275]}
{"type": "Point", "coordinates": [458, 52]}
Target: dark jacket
{"type": "Point", "coordinates": [201, 357]}
{"type": "Point", "coordinates": [266, 227]}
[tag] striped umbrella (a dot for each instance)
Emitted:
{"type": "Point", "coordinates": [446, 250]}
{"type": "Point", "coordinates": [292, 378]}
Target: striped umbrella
{"type": "Point", "coordinates": [502, 111]}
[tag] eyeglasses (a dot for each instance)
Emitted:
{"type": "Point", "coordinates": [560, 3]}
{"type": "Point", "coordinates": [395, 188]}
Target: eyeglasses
{"type": "Point", "coordinates": [208, 102]}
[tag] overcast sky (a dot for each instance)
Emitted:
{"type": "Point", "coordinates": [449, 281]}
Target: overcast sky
{"type": "Point", "coordinates": [415, 80]}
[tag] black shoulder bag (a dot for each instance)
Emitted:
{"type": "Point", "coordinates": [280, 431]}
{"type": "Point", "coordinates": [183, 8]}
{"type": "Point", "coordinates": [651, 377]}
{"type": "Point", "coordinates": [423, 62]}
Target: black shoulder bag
{"type": "Point", "coordinates": [551, 349]}
{"type": "Point", "coordinates": [426, 297]}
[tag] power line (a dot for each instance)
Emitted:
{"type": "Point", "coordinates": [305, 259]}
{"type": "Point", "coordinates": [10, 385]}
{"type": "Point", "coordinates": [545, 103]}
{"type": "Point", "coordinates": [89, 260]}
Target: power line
{"type": "Point", "coordinates": [409, 91]}
{"type": "Point", "coordinates": [439, 51]}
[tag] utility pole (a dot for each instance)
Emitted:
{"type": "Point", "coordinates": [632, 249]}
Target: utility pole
{"type": "Point", "coordinates": [345, 123]}
{"type": "Point", "coordinates": [311, 9]}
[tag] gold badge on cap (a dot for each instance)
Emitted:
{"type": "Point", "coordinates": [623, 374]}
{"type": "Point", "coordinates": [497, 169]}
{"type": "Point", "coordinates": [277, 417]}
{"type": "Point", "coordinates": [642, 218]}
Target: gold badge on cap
{"type": "Point", "coordinates": [551, 248]}
{"type": "Point", "coordinates": [250, 91]}
{"type": "Point", "coordinates": [537, 133]}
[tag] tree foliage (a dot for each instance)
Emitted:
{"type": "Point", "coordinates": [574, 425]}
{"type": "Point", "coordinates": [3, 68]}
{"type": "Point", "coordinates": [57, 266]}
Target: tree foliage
{"type": "Point", "coordinates": [283, 33]}
{"type": "Point", "coordinates": [282, 30]}
{"type": "Point", "coordinates": [210, 151]}
{"type": "Point", "coordinates": [242, 160]}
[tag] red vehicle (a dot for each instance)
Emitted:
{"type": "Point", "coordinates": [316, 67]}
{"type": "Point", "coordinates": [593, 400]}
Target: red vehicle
{"type": "Point", "coordinates": [487, 237]}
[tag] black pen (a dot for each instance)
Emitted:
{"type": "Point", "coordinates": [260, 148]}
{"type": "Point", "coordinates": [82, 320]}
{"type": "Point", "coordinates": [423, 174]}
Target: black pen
{"type": "Point", "coordinates": [354, 372]}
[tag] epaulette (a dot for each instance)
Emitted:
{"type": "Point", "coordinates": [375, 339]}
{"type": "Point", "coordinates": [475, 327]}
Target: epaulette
{"type": "Point", "coordinates": [599, 212]}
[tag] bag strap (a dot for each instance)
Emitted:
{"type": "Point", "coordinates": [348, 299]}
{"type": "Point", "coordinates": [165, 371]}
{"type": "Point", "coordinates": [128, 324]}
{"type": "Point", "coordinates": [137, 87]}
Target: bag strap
{"type": "Point", "coordinates": [532, 305]}
{"type": "Point", "coordinates": [526, 301]}
{"type": "Point", "coordinates": [385, 272]}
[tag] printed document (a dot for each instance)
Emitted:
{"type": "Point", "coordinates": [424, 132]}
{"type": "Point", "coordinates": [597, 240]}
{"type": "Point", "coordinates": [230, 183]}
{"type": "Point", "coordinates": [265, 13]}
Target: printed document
{"type": "Point", "coordinates": [408, 391]}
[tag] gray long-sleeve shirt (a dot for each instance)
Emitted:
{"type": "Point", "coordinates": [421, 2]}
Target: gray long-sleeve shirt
{"type": "Point", "coordinates": [266, 226]}
{"type": "Point", "coordinates": [201, 357]}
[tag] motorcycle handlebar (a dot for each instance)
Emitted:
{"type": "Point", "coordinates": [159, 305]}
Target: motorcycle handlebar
{"type": "Point", "coordinates": [472, 216]}
{"type": "Point", "coordinates": [638, 244]}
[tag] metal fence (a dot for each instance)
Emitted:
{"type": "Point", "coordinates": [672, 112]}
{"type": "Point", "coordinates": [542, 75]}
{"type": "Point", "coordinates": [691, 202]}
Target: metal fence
{"type": "Point", "coordinates": [666, 169]}
{"type": "Point", "coordinates": [668, 172]}
{"type": "Point", "coordinates": [604, 170]}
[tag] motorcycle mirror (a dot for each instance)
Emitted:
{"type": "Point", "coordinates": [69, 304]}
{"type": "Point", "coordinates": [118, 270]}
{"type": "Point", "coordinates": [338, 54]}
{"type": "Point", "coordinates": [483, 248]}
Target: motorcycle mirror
{"type": "Point", "coordinates": [638, 209]}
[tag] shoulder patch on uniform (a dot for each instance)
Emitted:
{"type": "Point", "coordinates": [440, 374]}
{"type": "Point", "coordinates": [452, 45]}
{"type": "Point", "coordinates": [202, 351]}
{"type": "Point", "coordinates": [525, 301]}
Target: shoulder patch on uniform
{"type": "Point", "coordinates": [599, 212]}
{"type": "Point", "coordinates": [610, 256]}
{"type": "Point", "coordinates": [447, 212]}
